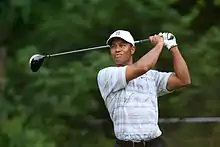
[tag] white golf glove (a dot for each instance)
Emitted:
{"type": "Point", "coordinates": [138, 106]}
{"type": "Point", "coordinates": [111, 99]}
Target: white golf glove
{"type": "Point", "coordinates": [169, 40]}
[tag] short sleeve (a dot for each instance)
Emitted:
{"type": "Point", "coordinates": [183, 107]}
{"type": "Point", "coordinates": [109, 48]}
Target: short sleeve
{"type": "Point", "coordinates": [161, 82]}
{"type": "Point", "coordinates": [111, 79]}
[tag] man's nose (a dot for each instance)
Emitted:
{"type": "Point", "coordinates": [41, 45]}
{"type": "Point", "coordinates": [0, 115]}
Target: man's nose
{"type": "Point", "coordinates": [117, 49]}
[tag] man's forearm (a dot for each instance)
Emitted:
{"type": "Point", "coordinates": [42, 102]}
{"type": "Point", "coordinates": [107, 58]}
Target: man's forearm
{"type": "Point", "coordinates": [144, 64]}
{"type": "Point", "coordinates": [180, 66]}
{"type": "Point", "coordinates": [149, 60]}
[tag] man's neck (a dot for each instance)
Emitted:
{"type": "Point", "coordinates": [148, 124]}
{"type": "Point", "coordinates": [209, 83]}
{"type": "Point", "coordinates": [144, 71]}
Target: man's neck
{"type": "Point", "coordinates": [128, 63]}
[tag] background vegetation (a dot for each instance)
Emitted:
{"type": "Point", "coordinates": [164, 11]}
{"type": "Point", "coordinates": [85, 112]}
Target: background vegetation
{"type": "Point", "coordinates": [60, 106]}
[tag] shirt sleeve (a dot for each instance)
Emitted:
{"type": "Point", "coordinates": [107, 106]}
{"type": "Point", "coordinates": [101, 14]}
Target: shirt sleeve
{"type": "Point", "coordinates": [161, 82]}
{"type": "Point", "coordinates": [111, 79]}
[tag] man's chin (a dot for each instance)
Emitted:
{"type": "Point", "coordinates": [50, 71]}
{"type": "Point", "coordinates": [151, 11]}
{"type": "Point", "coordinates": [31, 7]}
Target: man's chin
{"type": "Point", "coordinates": [119, 63]}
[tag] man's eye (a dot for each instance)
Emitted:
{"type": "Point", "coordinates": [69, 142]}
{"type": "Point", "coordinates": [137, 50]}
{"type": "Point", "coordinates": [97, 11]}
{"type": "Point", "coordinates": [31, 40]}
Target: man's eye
{"type": "Point", "coordinates": [112, 46]}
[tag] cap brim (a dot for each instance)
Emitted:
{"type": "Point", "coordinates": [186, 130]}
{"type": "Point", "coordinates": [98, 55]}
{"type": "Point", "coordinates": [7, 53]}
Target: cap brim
{"type": "Point", "coordinates": [109, 41]}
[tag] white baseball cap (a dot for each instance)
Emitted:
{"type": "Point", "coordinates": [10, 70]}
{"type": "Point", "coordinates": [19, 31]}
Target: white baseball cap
{"type": "Point", "coordinates": [125, 35]}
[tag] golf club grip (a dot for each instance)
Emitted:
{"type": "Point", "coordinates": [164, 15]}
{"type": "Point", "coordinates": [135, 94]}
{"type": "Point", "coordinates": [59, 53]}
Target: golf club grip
{"type": "Point", "coordinates": [89, 49]}
{"type": "Point", "coordinates": [141, 41]}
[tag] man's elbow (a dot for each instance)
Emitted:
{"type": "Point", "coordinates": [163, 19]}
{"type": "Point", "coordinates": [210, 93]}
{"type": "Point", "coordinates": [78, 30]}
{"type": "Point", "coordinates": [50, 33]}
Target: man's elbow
{"type": "Point", "coordinates": [186, 83]}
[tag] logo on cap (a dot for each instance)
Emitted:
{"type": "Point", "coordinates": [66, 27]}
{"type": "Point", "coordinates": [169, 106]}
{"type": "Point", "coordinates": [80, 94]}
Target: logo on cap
{"type": "Point", "coordinates": [117, 33]}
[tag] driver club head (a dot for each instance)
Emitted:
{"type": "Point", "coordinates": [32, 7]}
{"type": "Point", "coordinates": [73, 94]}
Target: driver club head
{"type": "Point", "coordinates": [36, 61]}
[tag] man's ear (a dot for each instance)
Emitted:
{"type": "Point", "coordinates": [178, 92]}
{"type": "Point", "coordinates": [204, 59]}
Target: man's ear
{"type": "Point", "coordinates": [133, 48]}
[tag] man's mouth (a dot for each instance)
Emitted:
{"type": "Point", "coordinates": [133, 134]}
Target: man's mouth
{"type": "Point", "coordinates": [117, 55]}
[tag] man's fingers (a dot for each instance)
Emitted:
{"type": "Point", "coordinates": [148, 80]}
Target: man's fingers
{"type": "Point", "coordinates": [160, 34]}
{"type": "Point", "coordinates": [152, 39]}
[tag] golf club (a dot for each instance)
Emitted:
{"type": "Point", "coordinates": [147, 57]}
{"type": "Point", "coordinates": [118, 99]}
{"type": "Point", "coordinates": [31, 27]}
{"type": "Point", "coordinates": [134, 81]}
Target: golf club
{"type": "Point", "coordinates": [37, 60]}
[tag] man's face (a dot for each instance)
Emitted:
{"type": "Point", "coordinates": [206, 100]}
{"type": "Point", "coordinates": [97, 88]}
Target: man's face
{"type": "Point", "coordinates": [121, 51]}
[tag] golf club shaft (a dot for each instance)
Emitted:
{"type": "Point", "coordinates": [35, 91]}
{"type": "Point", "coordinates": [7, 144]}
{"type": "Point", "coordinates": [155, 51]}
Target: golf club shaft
{"type": "Point", "coordinates": [88, 49]}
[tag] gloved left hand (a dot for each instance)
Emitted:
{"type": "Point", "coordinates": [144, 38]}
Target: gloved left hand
{"type": "Point", "coordinates": [169, 40]}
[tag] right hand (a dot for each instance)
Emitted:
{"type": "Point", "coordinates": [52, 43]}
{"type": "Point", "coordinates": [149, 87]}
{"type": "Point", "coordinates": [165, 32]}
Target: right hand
{"type": "Point", "coordinates": [156, 39]}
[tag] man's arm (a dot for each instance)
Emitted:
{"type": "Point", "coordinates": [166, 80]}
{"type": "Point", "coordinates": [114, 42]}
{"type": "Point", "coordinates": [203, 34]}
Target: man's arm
{"type": "Point", "coordinates": [181, 78]}
{"type": "Point", "coordinates": [146, 62]}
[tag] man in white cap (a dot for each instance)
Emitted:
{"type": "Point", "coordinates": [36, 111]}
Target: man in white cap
{"type": "Point", "coordinates": [131, 90]}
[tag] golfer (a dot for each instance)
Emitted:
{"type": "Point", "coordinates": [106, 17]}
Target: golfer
{"type": "Point", "coordinates": [131, 90]}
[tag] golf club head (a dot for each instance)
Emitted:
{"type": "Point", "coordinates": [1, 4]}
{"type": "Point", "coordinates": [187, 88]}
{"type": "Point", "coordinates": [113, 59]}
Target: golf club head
{"type": "Point", "coordinates": [36, 61]}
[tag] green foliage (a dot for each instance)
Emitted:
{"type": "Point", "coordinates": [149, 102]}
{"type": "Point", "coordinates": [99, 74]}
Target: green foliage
{"type": "Point", "coordinates": [59, 105]}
